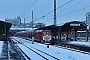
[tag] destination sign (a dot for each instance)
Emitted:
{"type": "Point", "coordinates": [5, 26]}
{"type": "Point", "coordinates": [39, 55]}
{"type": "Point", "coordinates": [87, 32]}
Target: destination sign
{"type": "Point", "coordinates": [74, 24]}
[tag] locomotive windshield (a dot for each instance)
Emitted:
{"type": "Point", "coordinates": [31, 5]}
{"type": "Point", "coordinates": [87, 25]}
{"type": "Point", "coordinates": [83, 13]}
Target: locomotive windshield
{"type": "Point", "coordinates": [46, 32]}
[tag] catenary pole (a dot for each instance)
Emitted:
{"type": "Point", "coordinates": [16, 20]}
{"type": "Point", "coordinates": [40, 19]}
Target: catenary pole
{"type": "Point", "coordinates": [54, 12]}
{"type": "Point", "coordinates": [32, 29]}
{"type": "Point", "coordinates": [24, 23]}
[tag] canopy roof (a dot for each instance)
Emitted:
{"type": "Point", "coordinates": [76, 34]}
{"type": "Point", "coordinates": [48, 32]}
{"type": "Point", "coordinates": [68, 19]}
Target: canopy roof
{"type": "Point", "coordinates": [74, 26]}
{"type": "Point", "coordinates": [69, 26]}
{"type": "Point", "coordinates": [5, 25]}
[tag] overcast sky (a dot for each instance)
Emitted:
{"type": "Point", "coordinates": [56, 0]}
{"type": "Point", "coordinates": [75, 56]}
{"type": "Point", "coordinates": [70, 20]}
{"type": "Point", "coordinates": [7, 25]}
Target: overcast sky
{"type": "Point", "coordinates": [75, 10]}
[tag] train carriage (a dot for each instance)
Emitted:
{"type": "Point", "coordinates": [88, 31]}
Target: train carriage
{"type": "Point", "coordinates": [43, 36]}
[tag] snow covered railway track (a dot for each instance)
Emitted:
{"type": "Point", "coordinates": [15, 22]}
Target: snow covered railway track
{"type": "Point", "coordinates": [38, 52]}
{"type": "Point", "coordinates": [25, 51]}
{"type": "Point", "coordinates": [72, 49]}
{"type": "Point", "coordinates": [44, 53]}
{"type": "Point", "coordinates": [24, 54]}
{"type": "Point", "coordinates": [41, 54]}
{"type": "Point", "coordinates": [35, 52]}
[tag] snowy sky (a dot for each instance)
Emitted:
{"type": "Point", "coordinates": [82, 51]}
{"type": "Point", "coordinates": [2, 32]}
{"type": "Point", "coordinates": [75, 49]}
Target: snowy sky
{"type": "Point", "coordinates": [75, 10]}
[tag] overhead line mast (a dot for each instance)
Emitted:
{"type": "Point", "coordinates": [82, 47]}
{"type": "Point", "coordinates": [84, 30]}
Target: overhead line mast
{"type": "Point", "coordinates": [54, 12]}
{"type": "Point", "coordinates": [32, 20]}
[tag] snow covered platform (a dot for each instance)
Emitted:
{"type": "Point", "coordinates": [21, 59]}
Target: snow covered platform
{"type": "Point", "coordinates": [51, 53]}
{"type": "Point", "coordinates": [80, 43]}
{"type": "Point", "coordinates": [1, 44]}
{"type": "Point", "coordinates": [3, 50]}
{"type": "Point", "coordinates": [84, 46]}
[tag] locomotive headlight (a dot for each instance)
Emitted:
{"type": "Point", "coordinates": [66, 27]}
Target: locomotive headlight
{"type": "Point", "coordinates": [50, 38]}
{"type": "Point", "coordinates": [43, 39]}
{"type": "Point", "coordinates": [46, 35]}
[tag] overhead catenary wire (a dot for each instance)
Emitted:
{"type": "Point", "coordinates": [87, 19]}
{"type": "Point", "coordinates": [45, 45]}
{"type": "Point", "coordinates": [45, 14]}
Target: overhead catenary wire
{"type": "Point", "coordinates": [41, 9]}
{"type": "Point", "coordinates": [44, 8]}
{"type": "Point", "coordinates": [72, 11]}
{"type": "Point", "coordinates": [66, 13]}
{"type": "Point", "coordinates": [73, 5]}
{"type": "Point", "coordinates": [53, 10]}
{"type": "Point", "coordinates": [75, 11]}
{"type": "Point", "coordinates": [16, 7]}
{"type": "Point", "coordinates": [29, 8]}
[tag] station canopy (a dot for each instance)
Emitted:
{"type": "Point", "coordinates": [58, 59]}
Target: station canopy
{"type": "Point", "coordinates": [74, 26]}
{"type": "Point", "coordinates": [69, 26]}
{"type": "Point", "coordinates": [51, 27]}
{"type": "Point", "coordinates": [5, 25]}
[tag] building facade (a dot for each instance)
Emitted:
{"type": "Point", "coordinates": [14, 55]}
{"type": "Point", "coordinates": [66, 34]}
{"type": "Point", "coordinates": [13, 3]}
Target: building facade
{"type": "Point", "coordinates": [15, 22]}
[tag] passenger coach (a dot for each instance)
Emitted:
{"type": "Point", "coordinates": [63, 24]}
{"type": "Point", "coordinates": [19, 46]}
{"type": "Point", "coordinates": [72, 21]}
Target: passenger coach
{"type": "Point", "coordinates": [43, 36]}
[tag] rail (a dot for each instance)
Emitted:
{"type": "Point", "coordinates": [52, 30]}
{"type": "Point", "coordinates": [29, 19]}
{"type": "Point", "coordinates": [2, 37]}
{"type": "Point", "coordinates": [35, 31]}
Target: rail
{"type": "Point", "coordinates": [33, 49]}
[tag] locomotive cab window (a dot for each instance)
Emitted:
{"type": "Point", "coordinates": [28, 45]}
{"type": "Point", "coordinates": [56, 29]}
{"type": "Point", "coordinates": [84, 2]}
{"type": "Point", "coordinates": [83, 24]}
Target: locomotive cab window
{"type": "Point", "coordinates": [46, 32]}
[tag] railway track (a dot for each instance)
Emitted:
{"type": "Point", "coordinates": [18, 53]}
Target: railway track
{"type": "Point", "coordinates": [72, 48]}
{"type": "Point", "coordinates": [39, 52]}
{"type": "Point", "coordinates": [13, 52]}
{"type": "Point", "coordinates": [42, 51]}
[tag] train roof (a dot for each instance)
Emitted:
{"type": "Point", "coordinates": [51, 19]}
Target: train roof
{"type": "Point", "coordinates": [26, 31]}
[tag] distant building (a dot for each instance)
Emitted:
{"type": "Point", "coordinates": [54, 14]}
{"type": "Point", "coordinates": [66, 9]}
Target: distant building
{"type": "Point", "coordinates": [25, 25]}
{"type": "Point", "coordinates": [39, 25]}
{"type": "Point", "coordinates": [15, 22]}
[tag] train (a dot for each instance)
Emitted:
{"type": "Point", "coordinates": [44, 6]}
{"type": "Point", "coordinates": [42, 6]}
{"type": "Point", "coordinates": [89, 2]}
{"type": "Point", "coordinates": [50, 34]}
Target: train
{"type": "Point", "coordinates": [43, 36]}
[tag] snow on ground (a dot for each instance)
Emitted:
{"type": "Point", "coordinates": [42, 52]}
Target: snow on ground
{"type": "Point", "coordinates": [80, 43]}
{"type": "Point", "coordinates": [29, 53]}
{"type": "Point", "coordinates": [60, 53]}
{"type": "Point", "coordinates": [1, 44]}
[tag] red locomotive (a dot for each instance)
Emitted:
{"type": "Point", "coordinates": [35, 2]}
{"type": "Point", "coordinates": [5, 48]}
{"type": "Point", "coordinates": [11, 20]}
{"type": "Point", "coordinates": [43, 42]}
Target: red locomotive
{"type": "Point", "coordinates": [43, 36]}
